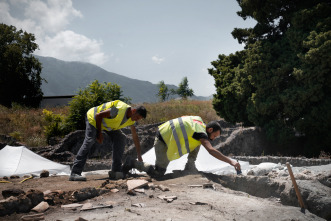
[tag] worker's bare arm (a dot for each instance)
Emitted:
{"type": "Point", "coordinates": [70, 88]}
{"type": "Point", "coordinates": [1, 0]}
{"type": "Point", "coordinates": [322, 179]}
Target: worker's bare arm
{"type": "Point", "coordinates": [218, 155]}
{"type": "Point", "coordinates": [98, 120]}
{"type": "Point", "coordinates": [136, 142]}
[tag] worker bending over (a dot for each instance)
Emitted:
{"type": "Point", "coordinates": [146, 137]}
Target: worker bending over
{"type": "Point", "coordinates": [108, 117]}
{"type": "Point", "coordinates": [177, 137]}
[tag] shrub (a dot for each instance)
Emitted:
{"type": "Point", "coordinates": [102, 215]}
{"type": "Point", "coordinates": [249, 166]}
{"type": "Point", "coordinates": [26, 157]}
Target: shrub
{"type": "Point", "coordinates": [54, 124]}
{"type": "Point", "coordinates": [94, 95]}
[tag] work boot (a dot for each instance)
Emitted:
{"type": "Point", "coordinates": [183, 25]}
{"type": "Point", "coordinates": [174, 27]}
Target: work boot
{"type": "Point", "coordinates": [76, 177]}
{"type": "Point", "coordinates": [128, 165]}
{"type": "Point", "coordinates": [151, 171]}
{"type": "Point", "coordinates": [156, 172]}
{"type": "Point", "coordinates": [190, 166]}
{"type": "Point", "coordinates": [115, 175]}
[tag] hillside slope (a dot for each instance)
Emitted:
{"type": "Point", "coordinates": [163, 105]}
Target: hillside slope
{"type": "Point", "coordinates": [66, 78]}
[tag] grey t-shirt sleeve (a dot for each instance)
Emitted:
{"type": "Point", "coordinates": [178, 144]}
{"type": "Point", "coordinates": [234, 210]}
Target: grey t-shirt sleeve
{"type": "Point", "coordinates": [113, 112]}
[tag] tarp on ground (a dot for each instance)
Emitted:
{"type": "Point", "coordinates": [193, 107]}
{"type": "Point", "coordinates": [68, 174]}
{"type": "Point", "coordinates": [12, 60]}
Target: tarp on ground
{"type": "Point", "coordinates": [205, 163]}
{"type": "Point", "coordinates": [21, 161]}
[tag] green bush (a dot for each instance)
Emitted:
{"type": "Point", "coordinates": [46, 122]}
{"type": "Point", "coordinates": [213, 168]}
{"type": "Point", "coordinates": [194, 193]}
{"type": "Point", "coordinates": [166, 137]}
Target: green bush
{"type": "Point", "coordinates": [16, 135]}
{"type": "Point", "coordinates": [54, 124]}
{"type": "Point", "coordinates": [93, 95]}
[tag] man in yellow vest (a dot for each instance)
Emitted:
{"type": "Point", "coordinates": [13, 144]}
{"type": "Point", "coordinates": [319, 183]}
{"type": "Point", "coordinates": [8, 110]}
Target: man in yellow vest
{"type": "Point", "coordinates": [177, 137]}
{"type": "Point", "coordinates": [108, 117]}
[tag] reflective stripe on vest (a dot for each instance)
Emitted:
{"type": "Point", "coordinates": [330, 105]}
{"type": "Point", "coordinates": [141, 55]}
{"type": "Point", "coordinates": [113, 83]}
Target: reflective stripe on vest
{"type": "Point", "coordinates": [113, 123]}
{"type": "Point", "coordinates": [177, 134]}
{"type": "Point", "coordinates": [103, 119]}
{"type": "Point", "coordinates": [174, 133]}
{"type": "Point", "coordinates": [187, 146]}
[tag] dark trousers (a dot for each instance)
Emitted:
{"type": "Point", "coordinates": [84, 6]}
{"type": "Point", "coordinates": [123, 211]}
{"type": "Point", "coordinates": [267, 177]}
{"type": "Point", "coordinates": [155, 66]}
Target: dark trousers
{"type": "Point", "coordinates": [118, 141]}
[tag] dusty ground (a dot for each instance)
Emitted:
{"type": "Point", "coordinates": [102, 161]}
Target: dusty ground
{"type": "Point", "coordinates": [192, 203]}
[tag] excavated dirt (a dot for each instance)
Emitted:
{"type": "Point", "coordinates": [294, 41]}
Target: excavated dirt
{"type": "Point", "coordinates": [193, 199]}
{"type": "Point", "coordinates": [268, 195]}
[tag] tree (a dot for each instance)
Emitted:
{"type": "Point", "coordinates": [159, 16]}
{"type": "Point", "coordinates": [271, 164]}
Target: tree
{"type": "Point", "coordinates": [183, 89]}
{"type": "Point", "coordinates": [283, 72]}
{"type": "Point", "coordinates": [233, 88]}
{"type": "Point", "coordinates": [20, 80]}
{"type": "Point", "coordinates": [163, 92]}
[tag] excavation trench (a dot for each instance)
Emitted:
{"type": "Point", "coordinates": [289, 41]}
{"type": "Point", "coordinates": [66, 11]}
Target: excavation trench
{"type": "Point", "coordinates": [316, 193]}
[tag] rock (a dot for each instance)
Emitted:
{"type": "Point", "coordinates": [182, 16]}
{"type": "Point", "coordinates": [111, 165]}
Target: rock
{"type": "Point", "coordinates": [139, 190]}
{"type": "Point", "coordinates": [234, 140]}
{"type": "Point", "coordinates": [80, 219]}
{"type": "Point", "coordinates": [24, 204]}
{"type": "Point", "coordinates": [316, 197]}
{"type": "Point", "coordinates": [90, 206]}
{"type": "Point", "coordinates": [14, 177]}
{"type": "Point", "coordinates": [35, 196]}
{"type": "Point", "coordinates": [208, 185]}
{"type": "Point", "coordinates": [47, 192]}
{"type": "Point", "coordinates": [8, 206]}
{"type": "Point", "coordinates": [132, 184]}
{"type": "Point", "coordinates": [325, 180]}
{"type": "Point", "coordinates": [34, 217]}
{"type": "Point", "coordinates": [103, 191]}
{"type": "Point", "coordinates": [131, 193]}
{"type": "Point", "coordinates": [169, 199]}
{"type": "Point", "coordinates": [193, 186]}
{"type": "Point", "coordinates": [44, 173]}
{"type": "Point", "coordinates": [86, 206]}
{"type": "Point", "coordinates": [243, 141]}
{"type": "Point", "coordinates": [85, 193]}
{"type": "Point", "coordinates": [110, 186]}
{"type": "Point", "coordinates": [110, 203]}
{"type": "Point", "coordinates": [41, 207]}
{"type": "Point", "coordinates": [12, 192]}
{"type": "Point", "coordinates": [163, 188]}
{"type": "Point", "coordinates": [59, 192]}
{"type": "Point", "coordinates": [21, 204]}
{"type": "Point", "coordinates": [151, 186]}
{"type": "Point", "coordinates": [198, 203]}
{"type": "Point", "coordinates": [49, 200]}
{"type": "Point", "coordinates": [140, 205]}
{"type": "Point", "coordinates": [72, 206]}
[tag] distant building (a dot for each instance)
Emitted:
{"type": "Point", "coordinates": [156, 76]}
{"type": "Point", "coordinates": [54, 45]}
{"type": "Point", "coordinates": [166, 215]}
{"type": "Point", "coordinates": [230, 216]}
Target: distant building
{"type": "Point", "coordinates": [55, 101]}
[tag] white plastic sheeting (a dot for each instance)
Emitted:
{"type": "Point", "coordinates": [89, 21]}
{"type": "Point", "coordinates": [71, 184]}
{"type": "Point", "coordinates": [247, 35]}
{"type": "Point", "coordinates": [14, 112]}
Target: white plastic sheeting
{"type": "Point", "coordinates": [21, 161]}
{"type": "Point", "coordinates": [205, 163]}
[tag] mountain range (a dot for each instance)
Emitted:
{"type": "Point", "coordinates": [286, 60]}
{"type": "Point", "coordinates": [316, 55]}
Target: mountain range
{"type": "Point", "coordinates": [67, 77]}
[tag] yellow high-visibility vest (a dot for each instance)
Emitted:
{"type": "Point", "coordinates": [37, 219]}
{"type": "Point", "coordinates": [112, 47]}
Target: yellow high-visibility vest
{"type": "Point", "coordinates": [177, 134]}
{"type": "Point", "coordinates": [107, 123]}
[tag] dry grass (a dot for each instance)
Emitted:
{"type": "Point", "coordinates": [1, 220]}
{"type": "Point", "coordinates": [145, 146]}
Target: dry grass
{"type": "Point", "coordinates": [27, 125]}
{"type": "Point", "coordinates": [159, 112]}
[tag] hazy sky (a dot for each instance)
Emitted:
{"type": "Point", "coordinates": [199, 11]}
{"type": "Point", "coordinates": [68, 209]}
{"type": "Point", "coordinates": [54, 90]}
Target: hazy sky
{"type": "Point", "coordinates": [150, 40]}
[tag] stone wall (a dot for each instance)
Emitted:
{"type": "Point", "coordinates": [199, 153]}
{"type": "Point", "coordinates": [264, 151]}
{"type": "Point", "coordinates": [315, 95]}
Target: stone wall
{"type": "Point", "coordinates": [234, 141]}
